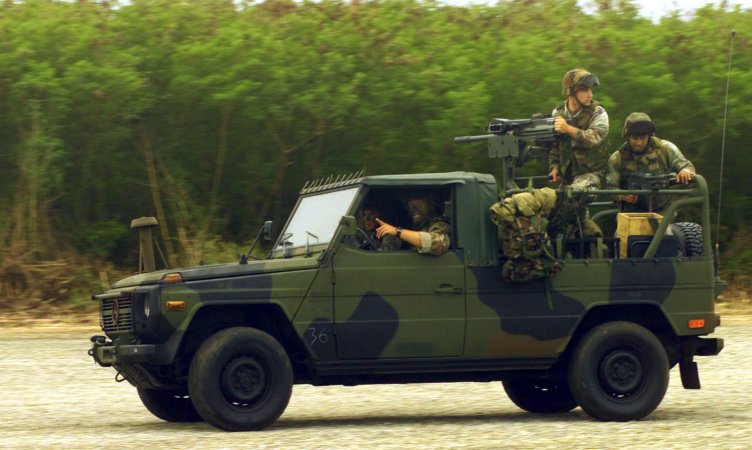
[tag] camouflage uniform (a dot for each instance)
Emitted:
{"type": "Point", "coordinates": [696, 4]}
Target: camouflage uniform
{"type": "Point", "coordinates": [388, 243]}
{"type": "Point", "coordinates": [582, 160]}
{"type": "Point", "coordinates": [434, 235]}
{"type": "Point", "coordinates": [367, 224]}
{"type": "Point", "coordinates": [525, 245]}
{"type": "Point", "coordinates": [659, 156]}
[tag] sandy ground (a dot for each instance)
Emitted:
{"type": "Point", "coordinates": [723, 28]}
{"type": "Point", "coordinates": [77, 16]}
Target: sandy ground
{"type": "Point", "coordinates": [53, 396]}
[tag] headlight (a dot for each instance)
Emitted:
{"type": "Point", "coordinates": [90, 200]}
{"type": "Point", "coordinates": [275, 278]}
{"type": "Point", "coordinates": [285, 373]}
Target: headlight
{"type": "Point", "coordinates": [147, 308]}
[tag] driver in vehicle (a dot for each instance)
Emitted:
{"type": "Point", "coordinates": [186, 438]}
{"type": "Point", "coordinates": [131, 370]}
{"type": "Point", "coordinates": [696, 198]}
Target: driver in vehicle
{"type": "Point", "coordinates": [431, 230]}
{"type": "Point", "coordinates": [366, 238]}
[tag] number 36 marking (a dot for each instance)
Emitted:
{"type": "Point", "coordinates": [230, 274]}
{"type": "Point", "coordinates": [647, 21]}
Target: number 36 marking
{"type": "Point", "coordinates": [318, 336]}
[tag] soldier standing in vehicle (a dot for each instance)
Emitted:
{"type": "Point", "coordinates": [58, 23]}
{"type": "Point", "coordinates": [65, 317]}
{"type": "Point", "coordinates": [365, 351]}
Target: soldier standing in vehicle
{"type": "Point", "coordinates": [431, 229]}
{"type": "Point", "coordinates": [579, 160]}
{"type": "Point", "coordinates": [644, 153]}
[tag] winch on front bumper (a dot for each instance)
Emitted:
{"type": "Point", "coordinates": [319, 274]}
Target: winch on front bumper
{"type": "Point", "coordinates": [106, 353]}
{"type": "Point", "coordinates": [133, 363]}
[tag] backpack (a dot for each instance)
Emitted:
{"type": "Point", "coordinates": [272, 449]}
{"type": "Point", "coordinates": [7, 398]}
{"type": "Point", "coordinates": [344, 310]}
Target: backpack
{"type": "Point", "coordinates": [524, 242]}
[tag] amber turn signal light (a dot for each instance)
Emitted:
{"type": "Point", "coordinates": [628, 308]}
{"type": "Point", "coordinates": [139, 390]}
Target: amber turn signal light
{"type": "Point", "coordinates": [174, 277]}
{"type": "Point", "coordinates": [175, 305]}
{"type": "Point", "coordinates": [696, 323]}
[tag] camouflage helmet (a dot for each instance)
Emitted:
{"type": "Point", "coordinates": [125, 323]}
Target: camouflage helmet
{"type": "Point", "coordinates": [637, 124]}
{"type": "Point", "coordinates": [577, 79]}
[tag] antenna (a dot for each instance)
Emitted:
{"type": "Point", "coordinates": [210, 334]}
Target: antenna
{"type": "Point", "coordinates": [723, 151]}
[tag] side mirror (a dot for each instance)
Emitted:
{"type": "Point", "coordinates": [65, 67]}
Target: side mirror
{"type": "Point", "coordinates": [265, 232]}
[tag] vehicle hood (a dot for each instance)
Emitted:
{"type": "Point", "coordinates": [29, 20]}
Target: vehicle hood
{"type": "Point", "coordinates": [221, 271]}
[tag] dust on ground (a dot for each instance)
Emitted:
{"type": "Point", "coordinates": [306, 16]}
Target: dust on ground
{"type": "Point", "coordinates": [13, 322]}
{"type": "Point", "coordinates": [734, 302]}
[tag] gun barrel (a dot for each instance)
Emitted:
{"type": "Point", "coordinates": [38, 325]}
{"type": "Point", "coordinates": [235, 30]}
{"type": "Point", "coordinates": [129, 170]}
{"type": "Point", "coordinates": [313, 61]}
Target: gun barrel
{"type": "Point", "coordinates": [639, 180]}
{"type": "Point", "coordinates": [466, 139]}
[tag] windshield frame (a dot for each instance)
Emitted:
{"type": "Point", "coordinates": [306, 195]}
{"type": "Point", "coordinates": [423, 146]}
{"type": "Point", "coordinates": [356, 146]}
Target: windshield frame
{"type": "Point", "coordinates": [323, 226]}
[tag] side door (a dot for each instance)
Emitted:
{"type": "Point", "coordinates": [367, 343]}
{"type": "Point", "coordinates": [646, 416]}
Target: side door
{"type": "Point", "coordinates": [398, 304]}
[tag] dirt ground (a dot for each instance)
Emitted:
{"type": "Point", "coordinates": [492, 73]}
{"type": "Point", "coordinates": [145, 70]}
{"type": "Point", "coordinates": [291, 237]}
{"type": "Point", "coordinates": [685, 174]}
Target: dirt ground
{"type": "Point", "coordinates": [735, 302]}
{"type": "Point", "coordinates": [52, 395]}
{"type": "Point", "coordinates": [76, 404]}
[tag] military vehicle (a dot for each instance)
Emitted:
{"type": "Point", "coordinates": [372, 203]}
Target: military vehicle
{"type": "Point", "coordinates": [225, 343]}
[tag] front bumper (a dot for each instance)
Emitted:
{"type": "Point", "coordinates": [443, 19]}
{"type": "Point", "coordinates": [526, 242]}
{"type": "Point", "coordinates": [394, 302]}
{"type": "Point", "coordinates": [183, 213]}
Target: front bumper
{"type": "Point", "coordinates": [107, 353]}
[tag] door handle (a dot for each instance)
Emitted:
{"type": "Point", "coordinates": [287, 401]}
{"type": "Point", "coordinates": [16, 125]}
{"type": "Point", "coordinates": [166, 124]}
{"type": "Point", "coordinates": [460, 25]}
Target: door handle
{"type": "Point", "coordinates": [448, 289]}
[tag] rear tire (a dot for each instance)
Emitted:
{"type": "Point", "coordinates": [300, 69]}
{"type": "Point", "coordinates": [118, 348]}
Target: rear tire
{"type": "Point", "coordinates": [169, 405]}
{"type": "Point", "coordinates": [240, 379]}
{"type": "Point", "coordinates": [540, 396]}
{"type": "Point", "coordinates": [619, 372]}
{"type": "Point", "coordinates": [689, 235]}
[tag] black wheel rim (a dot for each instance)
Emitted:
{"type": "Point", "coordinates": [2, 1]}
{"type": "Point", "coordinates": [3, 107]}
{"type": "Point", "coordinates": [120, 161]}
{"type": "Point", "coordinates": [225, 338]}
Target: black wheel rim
{"type": "Point", "coordinates": [243, 381]}
{"type": "Point", "coordinates": [621, 373]}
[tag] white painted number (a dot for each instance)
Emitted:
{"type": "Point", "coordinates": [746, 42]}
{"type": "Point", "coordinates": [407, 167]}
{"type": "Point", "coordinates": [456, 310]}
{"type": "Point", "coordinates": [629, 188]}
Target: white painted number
{"type": "Point", "coordinates": [318, 336]}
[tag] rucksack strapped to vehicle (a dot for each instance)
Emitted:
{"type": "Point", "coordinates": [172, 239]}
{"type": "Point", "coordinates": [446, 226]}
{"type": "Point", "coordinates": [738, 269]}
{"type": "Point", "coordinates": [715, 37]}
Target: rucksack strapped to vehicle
{"type": "Point", "coordinates": [522, 221]}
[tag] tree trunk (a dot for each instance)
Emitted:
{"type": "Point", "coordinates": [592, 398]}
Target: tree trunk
{"type": "Point", "coordinates": [219, 167]}
{"type": "Point", "coordinates": [156, 196]}
{"type": "Point", "coordinates": [30, 228]}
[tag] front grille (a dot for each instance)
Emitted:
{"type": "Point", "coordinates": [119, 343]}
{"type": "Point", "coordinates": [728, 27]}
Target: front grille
{"type": "Point", "coordinates": [116, 314]}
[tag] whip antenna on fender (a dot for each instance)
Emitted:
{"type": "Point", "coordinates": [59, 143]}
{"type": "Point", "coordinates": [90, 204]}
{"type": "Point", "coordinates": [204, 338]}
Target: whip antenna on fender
{"type": "Point", "coordinates": [723, 151]}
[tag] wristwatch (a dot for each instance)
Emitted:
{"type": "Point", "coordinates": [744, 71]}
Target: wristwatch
{"type": "Point", "coordinates": [399, 232]}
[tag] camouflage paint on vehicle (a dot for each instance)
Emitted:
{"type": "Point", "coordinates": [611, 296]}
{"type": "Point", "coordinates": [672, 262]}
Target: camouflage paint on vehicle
{"type": "Point", "coordinates": [347, 316]}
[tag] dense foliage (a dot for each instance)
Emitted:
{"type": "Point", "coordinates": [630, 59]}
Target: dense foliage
{"type": "Point", "coordinates": [211, 114]}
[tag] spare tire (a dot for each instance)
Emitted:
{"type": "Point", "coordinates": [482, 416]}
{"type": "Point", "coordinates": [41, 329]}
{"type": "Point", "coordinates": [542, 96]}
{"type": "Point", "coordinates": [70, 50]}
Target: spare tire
{"type": "Point", "coordinates": [689, 236]}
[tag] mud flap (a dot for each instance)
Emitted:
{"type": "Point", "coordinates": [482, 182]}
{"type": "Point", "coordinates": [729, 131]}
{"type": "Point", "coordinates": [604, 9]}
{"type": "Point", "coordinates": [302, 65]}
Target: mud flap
{"type": "Point", "coordinates": [690, 376]}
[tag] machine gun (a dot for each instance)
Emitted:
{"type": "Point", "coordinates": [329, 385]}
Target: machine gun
{"type": "Point", "coordinates": [648, 182]}
{"type": "Point", "coordinates": [517, 141]}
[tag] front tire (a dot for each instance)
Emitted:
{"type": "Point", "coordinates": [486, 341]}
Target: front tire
{"type": "Point", "coordinates": [169, 405]}
{"type": "Point", "coordinates": [240, 379]}
{"type": "Point", "coordinates": [540, 396]}
{"type": "Point", "coordinates": [619, 372]}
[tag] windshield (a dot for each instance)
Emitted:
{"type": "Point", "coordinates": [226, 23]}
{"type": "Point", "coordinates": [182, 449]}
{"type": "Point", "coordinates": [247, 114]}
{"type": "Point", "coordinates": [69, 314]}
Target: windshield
{"type": "Point", "coordinates": [316, 218]}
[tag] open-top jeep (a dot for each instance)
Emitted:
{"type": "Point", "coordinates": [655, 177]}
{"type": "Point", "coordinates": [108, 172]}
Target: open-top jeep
{"type": "Point", "coordinates": [230, 340]}
{"type": "Point", "coordinates": [225, 343]}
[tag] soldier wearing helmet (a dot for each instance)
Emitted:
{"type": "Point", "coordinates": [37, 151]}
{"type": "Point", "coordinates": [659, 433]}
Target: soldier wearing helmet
{"type": "Point", "coordinates": [644, 153]}
{"type": "Point", "coordinates": [431, 229]}
{"type": "Point", "coordinates": [580, 159]}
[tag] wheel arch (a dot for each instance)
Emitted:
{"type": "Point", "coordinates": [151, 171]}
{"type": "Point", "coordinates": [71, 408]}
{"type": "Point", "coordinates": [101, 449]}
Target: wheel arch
{"type": "Point", "coordinates": [649, 315]}
{"type": "Point", "coordinates": [268, 317]}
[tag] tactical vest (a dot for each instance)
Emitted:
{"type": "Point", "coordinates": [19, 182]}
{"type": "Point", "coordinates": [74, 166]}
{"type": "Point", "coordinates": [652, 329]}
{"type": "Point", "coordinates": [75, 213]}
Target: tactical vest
{"type": "Point", "coordinates": [654, 160]}
{"type": "Point", "coordinates": [583, 118]}
{"type": "Point", "coordinates": [576, 160]}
